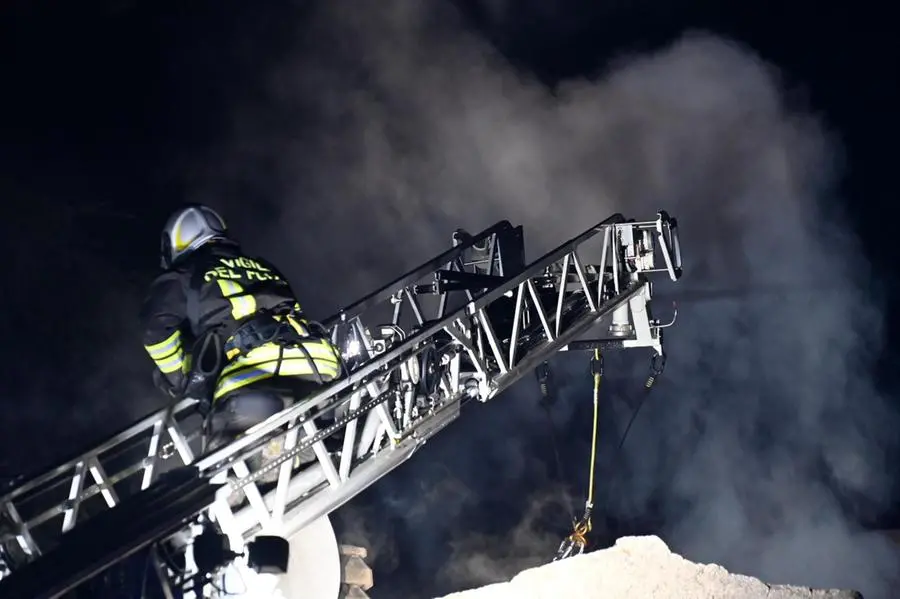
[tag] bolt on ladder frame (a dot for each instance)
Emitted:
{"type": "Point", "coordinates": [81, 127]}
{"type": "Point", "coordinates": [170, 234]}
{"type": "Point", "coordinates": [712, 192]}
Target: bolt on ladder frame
{"type": "Point", "coordinates": [465, 325]}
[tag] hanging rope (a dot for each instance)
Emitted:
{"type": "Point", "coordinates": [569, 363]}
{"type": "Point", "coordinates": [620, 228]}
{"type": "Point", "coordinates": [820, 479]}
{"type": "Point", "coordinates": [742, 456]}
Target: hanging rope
{"type": "Point", "coordinates": [575, 543]}
{"type": "Point", "coordinates": [657, 365]}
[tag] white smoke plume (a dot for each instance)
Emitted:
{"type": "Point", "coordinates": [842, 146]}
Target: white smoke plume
{"type": "Point", "coordinates": [389, 127]}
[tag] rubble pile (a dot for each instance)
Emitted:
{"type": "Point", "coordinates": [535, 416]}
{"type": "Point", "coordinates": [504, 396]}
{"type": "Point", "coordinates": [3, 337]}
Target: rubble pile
{"type": "Point", "coordinates": [640, 567]}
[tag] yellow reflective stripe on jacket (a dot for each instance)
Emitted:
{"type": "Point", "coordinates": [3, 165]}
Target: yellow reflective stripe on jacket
{"type": "Point", "coordinates": [168, 355]}
{"type": "Point", "coordinates": [261, 363]}
{"type": "Point", "coordinates": [242, 305]}
{"type": "Point", "coordinates": [171, 364]}
{"type": "Point", "coordinates": [165, 348]}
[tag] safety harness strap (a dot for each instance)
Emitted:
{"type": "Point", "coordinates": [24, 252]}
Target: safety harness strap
{"type": "Point", "coordinates": [276, 326]}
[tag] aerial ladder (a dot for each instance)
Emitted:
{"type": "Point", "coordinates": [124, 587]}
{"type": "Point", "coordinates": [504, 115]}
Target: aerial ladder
{"type": "Point", "coordinates": [463, 326]}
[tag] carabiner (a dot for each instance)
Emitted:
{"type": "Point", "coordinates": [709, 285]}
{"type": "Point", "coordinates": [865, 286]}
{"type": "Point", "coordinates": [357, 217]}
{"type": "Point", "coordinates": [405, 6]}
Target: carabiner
{"type": "Point", "coordinates": [657, 364]}
{"type": "Point", "coordinates": [569, 547]}
{"type": "Point", "coordinates": [597, 364]}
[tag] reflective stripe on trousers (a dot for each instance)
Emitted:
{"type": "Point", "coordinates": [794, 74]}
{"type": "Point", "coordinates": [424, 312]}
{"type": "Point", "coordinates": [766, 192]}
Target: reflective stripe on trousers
{"type": "Point", "coordinates": [267, 361]}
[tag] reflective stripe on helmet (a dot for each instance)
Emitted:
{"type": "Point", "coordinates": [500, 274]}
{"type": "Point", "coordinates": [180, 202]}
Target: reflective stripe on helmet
{"type": "Point", "coordinates": [188, 229]}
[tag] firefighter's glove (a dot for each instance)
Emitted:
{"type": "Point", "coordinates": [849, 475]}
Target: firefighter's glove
{"type": "Point", "coordinates": [162, 382]}
{"type": "Point", "coordinates": [198, 388]}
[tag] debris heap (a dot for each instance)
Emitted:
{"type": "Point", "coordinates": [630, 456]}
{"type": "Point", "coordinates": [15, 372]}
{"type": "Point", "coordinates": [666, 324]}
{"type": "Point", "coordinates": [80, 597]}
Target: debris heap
{"type": "Point", "coordinates": [640, 567]}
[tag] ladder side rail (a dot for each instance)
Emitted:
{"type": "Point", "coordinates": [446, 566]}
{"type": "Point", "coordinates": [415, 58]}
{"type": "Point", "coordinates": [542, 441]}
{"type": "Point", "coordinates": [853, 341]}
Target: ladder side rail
{"type": "Point", "coordinates": [132, 431]}
{"type": "Point", "coordinates": [79, 489]}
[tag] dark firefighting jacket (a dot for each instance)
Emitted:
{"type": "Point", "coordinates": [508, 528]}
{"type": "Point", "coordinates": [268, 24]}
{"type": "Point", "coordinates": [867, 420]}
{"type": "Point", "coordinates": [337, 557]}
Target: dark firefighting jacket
{"type": "Point", "coordinates": [235, 320]}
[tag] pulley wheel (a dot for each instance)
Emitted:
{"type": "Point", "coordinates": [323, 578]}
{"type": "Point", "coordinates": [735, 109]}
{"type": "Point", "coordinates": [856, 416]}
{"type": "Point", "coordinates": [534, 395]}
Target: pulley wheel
{"type": "Point", "coordinates": [430, 372]}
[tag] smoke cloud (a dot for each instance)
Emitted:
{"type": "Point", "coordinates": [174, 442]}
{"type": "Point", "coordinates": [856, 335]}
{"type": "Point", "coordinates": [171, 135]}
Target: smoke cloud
{"type": "Point", "coordinates": [388, 128]}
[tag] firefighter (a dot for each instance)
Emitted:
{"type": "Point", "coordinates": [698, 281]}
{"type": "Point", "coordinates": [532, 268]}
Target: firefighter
{"type": "Point", "coordinates": [225, 328]}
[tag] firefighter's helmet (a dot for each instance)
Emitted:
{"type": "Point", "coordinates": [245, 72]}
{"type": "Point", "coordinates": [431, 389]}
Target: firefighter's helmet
{"type": "Point", "coordinates": [188, 229]}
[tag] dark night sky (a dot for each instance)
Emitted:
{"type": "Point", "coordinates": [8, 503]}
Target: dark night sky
{"type": "Point", "coordinates": [111, 113]}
